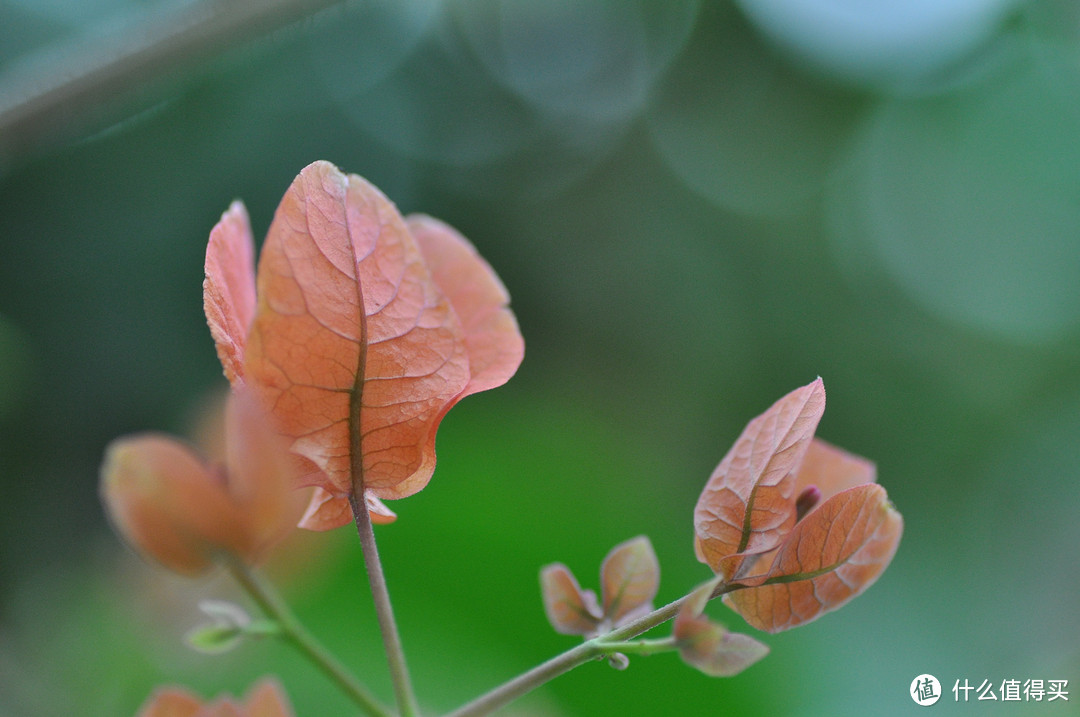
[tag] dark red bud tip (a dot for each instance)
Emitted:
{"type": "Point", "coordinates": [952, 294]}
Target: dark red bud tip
{"type": "Point", "coordinates": [806, 501]}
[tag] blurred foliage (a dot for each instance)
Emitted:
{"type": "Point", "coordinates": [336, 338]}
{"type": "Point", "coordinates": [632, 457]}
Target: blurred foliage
{"type": "Point", "coordinates": [696, 206]}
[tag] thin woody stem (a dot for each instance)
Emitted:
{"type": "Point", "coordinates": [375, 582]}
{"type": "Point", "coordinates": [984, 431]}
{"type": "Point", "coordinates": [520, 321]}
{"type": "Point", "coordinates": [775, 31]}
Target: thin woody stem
{"type": "Point", "coordinates": [292, 630]}
{"type": "Point", "coordinates": [395, 655]}
{"type": "Point", "coordinates": [67, 85]}
{"type": "Point", "coordinates": [637, 647]}
{"type": "Point", "coordinates": [576, 656]}
{"type": "Point", "coordinates": [384, 611]}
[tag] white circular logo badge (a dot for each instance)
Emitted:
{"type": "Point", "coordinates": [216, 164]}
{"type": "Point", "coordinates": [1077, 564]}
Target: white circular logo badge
{"type": "Point", "coordinates": [925, 690]}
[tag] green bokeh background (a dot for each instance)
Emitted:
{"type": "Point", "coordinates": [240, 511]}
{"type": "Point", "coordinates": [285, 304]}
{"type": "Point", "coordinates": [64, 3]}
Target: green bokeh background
{"type": "Point", "coordinates": [697, 207]}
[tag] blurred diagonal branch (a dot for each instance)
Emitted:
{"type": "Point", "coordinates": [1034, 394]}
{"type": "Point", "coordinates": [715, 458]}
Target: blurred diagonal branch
{"type": "Point", "coordinates": [64, 90]}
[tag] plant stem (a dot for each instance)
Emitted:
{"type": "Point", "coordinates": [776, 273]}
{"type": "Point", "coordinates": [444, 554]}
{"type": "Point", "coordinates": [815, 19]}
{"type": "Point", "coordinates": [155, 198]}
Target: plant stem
{"type": "Point", "coordinates": [384, 611]}
{"type": "Point", "coordinates": [268, 600]}
{"type": "Point", "coordinates": [44, 95]}
{"type": "Point", "coordinates": [637, 647]}
{"type": "Point", "coordinates": [528, 681]}
{"type": "Point", "coordinates": [574, 657]}
{"type": "Point", "coordinates": [395, 655]}
{"type": "Point", "coordinates": [577, 656]}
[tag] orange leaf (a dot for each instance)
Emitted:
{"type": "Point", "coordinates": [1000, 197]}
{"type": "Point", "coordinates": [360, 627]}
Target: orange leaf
{"type": "Point", "coordinates": [259, 474]}
{"type": "Point", "coordinates": [169, 504]}
{"type": "Point", "coordinates": [265, 699]}
{"type": "Point", "coordinates": [629, 579]}
{"type": "Point", "coordinates": [709, 646]}
{"type": "Point", "coordinates": [353, 345]}
{"type": "Point", "coordinates": [570, 610]}
{"type": "Point", "coordinates": [229, 288]}
{"type": "Point", "coordinates": [181, 510]}
{"type": "Point", "coordinates": [171, 702]}
{"type": "Point", "coordinates": [829, 557]}
{"type": "Point", "coordinates": [479, 299]}
{"type": "Point", "coordinates": [363, 336]}
{"type": "Point", "coordinates": [747, 506]}
{"type": "Point", "coordinates": [714, 650]}
{"type": "Point", "coordinates": [832, 469]}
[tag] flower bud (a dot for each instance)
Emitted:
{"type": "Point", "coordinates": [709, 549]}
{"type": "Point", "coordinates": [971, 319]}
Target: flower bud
{"type": "Point", "coordinates": [807, 500]}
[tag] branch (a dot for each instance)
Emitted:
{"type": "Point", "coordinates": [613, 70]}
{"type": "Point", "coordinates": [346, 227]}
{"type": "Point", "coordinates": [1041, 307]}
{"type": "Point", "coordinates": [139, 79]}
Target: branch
{"type": "Point", "coordinates": [61, 90]}
{"type": "Point", "coordinates": [291, 629]}
{"type": "Point", "coordinates": [576, 656]}
{"type": "Point", "coordinates": [395, 655]}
